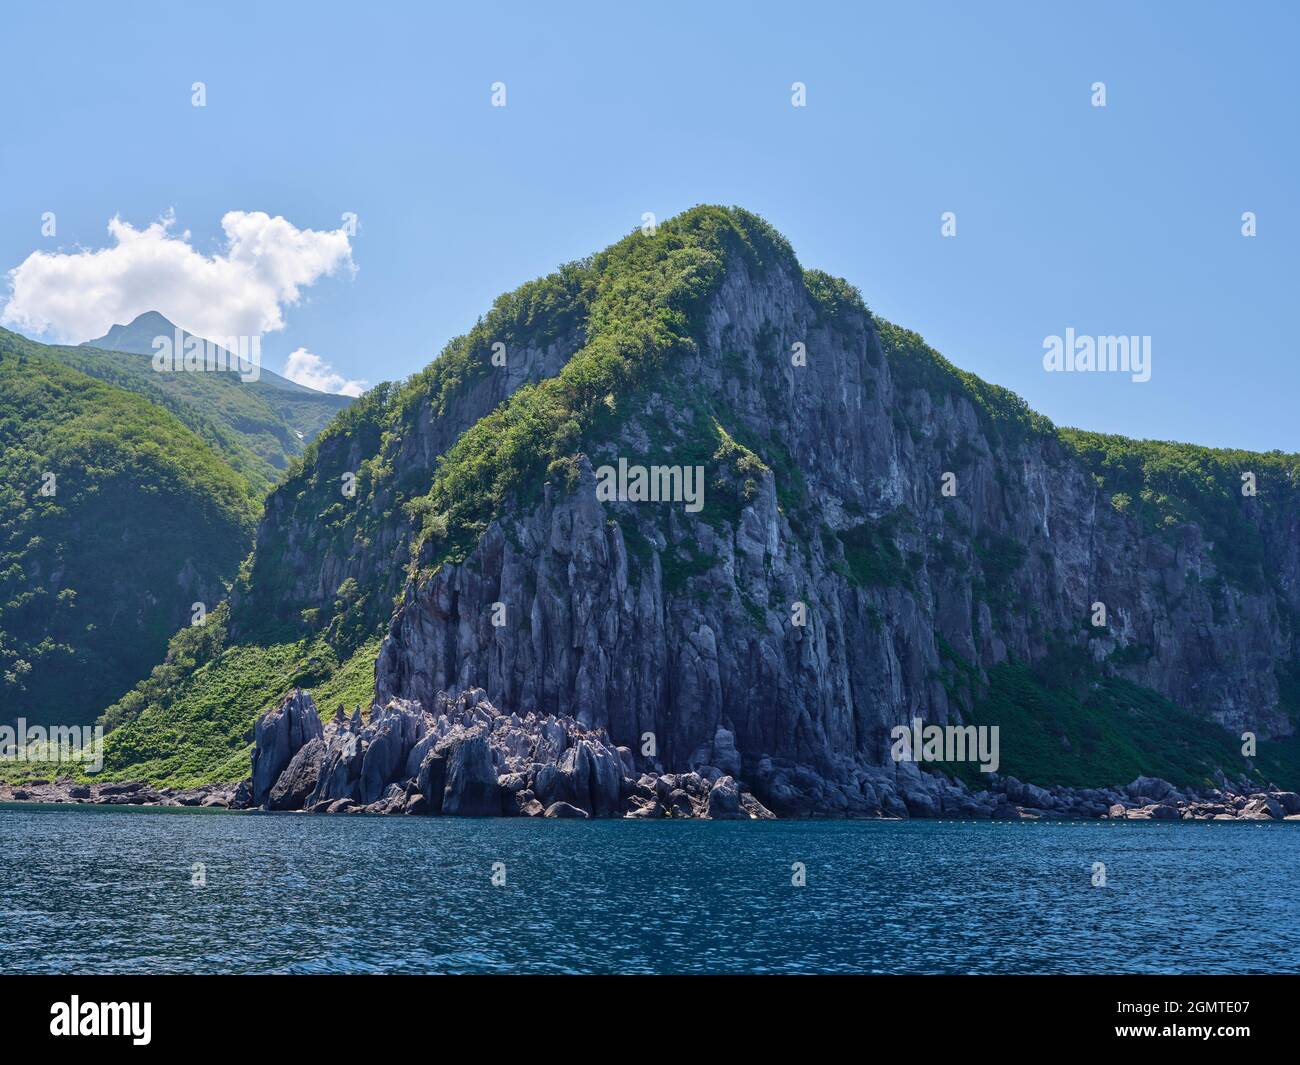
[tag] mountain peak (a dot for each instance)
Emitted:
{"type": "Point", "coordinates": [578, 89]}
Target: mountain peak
{"type": "Point", "coordinates": [150, 319]}
{"type": "Point", "coordinates": [136, 336]}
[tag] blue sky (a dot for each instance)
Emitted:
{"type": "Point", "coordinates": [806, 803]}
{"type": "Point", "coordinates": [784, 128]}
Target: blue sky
{"type": "Point", "coordinates": [1123, 219]}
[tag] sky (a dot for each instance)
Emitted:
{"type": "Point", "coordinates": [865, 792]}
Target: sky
{"type": "Point", "coordinates": [1123, 219]}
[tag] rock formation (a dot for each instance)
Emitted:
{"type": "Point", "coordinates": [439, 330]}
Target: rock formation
{"type": "Point", "coordinates": [465, 758]}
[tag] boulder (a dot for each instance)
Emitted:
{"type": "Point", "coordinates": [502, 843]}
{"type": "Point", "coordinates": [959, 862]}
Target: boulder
{"type": "Point", "coordinates": [1289, 801]}
{"type": "Point", "coordinates": [644, 809]}
{"type": "Point", "coordinates": [680, 805]}
{"type": "Point", "coordinates": [1263, 807]}
{"type": "Point", "coordinates": [1149, 787]}
{"type": "Point", "coordinates": [723, 803]}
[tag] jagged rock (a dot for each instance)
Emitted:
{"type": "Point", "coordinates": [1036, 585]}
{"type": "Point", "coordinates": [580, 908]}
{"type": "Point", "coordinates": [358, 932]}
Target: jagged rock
{"type": "Point", "coordinates": [564, 809]}
{"type": "Point", "coordinates": [680, 805]}
{"type": "Point", "coordinates": [278, 735]}
{"type": "Point", "coordinates": [299, 778]}
{"type": "Point", "coordinates": [341, 770]}
{"type": "Point", "coordinates": [755, 809]}
{"type": "Point", "coordinates": [1262, 807]}
{"type": "Point", "coordinates": [471, 780]}
{"type": "Point", "coordinates": [431, 780]}
{"type": "Point", "coordinates": [383, 754]}
{"type": "Point", "coordinates": [588, 774]}
{"type": "Point", "coordinates": [463, 756]}
{"type": "Point", "coordinates": [643, 808]}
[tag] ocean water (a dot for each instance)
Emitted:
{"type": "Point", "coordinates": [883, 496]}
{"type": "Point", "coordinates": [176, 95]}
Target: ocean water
{"type": "Point", "coordinates": [91, 890]}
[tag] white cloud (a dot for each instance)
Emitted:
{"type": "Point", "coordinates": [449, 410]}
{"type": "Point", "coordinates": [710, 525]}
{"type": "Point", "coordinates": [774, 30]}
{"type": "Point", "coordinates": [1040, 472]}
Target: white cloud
{"type": "Point", "coordinates": [311, 370]}
{"type": "Point", "coordinates": [240, 291]}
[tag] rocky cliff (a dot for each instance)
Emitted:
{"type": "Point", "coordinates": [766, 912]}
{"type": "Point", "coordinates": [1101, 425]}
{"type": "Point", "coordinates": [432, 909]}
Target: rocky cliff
{"type": "Point", "coordinates": [826, 488]}
{"type": "Point", "coordinates": [880, 534]}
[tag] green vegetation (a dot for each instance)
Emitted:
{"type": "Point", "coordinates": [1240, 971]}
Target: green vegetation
{"type": "Point", "coordinates": [1006, 418]}
{"type": "Point", "coordinates": [839, 303]}
{"type": "Point", "coordinates": [679, 565]}
{"type": "Point", "coordinates": [272, 418]}
{"type": "Point", "coordinates": [1063, 721]}
{"type": "Point", "coordinates": [1163, 485]}
{"type": "Point", "coordinates": [193, 724]}
{"type": "Point", "coordinates": [144, 520]}
{"type": "Point", "coordinates": [999, 557]}
{"type": "Point", "coordinates": [255, 427]}
{"type": "Point", "coordinates": [647, 292]}
{"type": "Point", "coordinates": [872, 555]}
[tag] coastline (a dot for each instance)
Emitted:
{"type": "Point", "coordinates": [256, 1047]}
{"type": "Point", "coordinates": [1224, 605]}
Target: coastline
{"type": "Point", "coordinates": [1058, 804]}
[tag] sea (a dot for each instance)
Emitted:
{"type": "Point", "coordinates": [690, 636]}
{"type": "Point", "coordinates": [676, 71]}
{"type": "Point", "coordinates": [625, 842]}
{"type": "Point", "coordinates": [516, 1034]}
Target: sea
{"type": "Point", "coordinates": [90, 889]}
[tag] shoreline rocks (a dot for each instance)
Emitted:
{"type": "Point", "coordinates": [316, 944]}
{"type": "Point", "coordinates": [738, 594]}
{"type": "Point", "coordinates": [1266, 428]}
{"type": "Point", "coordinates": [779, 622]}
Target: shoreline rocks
{"type": "Point", "coordinates": [466, 758]}
{"type": "Point", "coordinates": [66, 790]}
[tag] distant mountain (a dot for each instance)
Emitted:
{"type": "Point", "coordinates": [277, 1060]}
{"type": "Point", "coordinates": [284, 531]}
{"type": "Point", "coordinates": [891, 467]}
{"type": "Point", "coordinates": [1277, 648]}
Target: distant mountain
{"type": "Point", "coordinates": [138, 338]}
{"type": "Point", "coordinates": [257, 425]}
{"type": "Point", "coordinates": [116, 517]}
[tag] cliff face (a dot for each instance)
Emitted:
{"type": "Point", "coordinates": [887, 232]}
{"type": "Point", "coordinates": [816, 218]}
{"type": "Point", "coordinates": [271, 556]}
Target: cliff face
{"type": "Point", "coordinates": [303, 556]}
{"type": "Point", "coordinates": [600, 623]}
{"type": "Point", "coordinates": [878, 532]}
